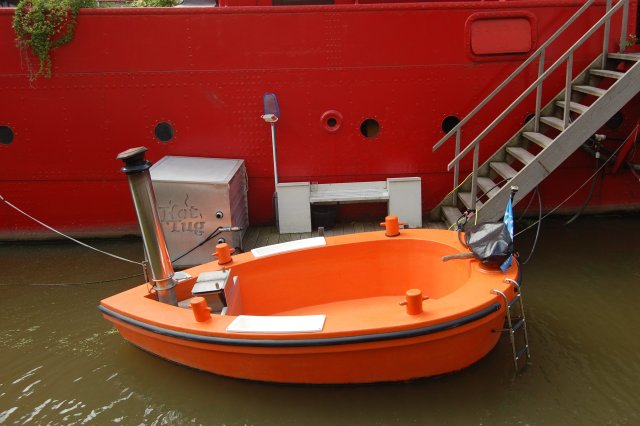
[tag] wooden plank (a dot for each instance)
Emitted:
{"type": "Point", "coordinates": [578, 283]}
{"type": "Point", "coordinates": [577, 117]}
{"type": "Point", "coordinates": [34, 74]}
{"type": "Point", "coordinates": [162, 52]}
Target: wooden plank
{"type": "Point", "coordinates": [372, 226]}
{"type": "Point", "coordinates": [538, 138]}
{"type": "Point", "coordinates": [466, 198]}
{"type": "Point", "coordinates": [590, 90]}
{"type": "Point", "coordinates": [273, 237]}
{"type": "Point", "coordinates": [250, 238]}
{"type": "Point", "coordinates": [358, 227]}
{"type": "Point", "coordinates": [608, 74]}
{"type": "Point", "coordinates": [625, 56]}
{"type": "Point", "coordinates": [574, 106]}
{"type": "Point", "coordinates": [288, 237]}
{"type": "Point", "coordinates": [521, 154]}
{"type": "Point", "coordinates": [435, 225]}
{"type": "Point", "coordinates": [336, 230]}
{"type": "Point", "coordinates": [348, 228]}
{"type": "Point", "coordinates": [554, 122]}
{"type": "Point", "coordinates": [349, 192]}
{"type": "Point", "coordinates": [348, 196]}
{"type": "Point", "coordinates": [503, 169]}
{"type": "Point", "coordinates": [263, 235]}
{"type": "Point", "coordinates": [488, 186]}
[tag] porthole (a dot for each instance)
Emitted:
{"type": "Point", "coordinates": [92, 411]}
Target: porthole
{"type": "Point", "coordinates": [6, 135]}
{"type": "Point", "coordinates": [370, 128]}
{"type": "Point", "coordinates": [164, 132]}
{"type": "Point", "coordinates": [331, 121]}
{"type": "Point", "coordinates": [449, 123]}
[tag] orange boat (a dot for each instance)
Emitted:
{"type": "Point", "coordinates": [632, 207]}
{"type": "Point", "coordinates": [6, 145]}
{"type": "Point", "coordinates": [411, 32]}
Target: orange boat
{"type": "Point", "coordinates": [369, 307]}
{"type": "Point", "coordinates": [330, 313]}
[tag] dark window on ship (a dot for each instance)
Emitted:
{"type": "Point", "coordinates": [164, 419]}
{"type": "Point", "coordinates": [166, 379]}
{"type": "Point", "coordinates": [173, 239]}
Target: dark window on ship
{"type": "Point", "coordinates": [164, 132]}
{"type": "Point", "coordinates": [370, 128]}
{"type": "Point", "coordinates": [300, 2]}
{"type": "Point", "coordinates": [6, 135]}
{"type": "Point", "coordinates": [449, 123]}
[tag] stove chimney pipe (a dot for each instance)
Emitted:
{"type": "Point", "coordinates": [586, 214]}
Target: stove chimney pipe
{"type": "Point", "coordinates": [136, 167]}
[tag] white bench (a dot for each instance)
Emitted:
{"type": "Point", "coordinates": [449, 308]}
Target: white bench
{"type": "Point", "coordinates": [402, 195]}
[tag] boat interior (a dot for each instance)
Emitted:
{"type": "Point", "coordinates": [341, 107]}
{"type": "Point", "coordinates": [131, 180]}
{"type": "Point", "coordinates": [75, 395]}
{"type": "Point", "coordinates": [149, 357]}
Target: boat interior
{"type": "Point", "coordinates": [359, 281]}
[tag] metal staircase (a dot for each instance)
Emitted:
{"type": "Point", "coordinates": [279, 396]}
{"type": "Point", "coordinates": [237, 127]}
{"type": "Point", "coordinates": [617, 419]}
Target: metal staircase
{"type": "Point", "coordinates": [554, 132]}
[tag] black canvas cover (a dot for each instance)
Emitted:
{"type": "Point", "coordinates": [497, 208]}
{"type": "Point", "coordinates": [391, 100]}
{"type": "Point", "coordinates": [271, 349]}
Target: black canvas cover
{"type": "Point", "coordinates": [490, 243]}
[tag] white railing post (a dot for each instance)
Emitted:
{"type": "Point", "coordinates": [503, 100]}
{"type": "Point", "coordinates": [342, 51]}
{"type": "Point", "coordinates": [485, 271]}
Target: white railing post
{"type": "Point", "coordinates": [536, 125]}
{"type": "Point", "coordinates": [605, 41]}
{"type": "Point", "coordinates": [456, 170]}
{"type": "Point", "coordinates": [567, 91]}
{"type": "Point", "coordinates": [623, 26]}
{"type": "Point", "coordinates": [474, 176]}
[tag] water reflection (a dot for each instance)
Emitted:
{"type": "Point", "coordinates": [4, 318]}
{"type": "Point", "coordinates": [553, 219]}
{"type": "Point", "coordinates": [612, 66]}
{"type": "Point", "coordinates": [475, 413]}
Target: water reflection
{"type": "Point", "coordinates": [63, 364]}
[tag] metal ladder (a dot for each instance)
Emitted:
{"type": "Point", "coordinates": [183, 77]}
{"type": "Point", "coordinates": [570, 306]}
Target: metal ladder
{"type": "Point", "coordinates": [515, 324]}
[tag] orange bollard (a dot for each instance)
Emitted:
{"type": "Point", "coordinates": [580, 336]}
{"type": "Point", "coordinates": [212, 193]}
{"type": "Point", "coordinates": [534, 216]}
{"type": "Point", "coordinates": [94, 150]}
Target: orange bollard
{"type": "Point", "coordinates": [223, 253]}
{"type": "Point", "coordinates": [414, 301]}
{"type": "Point", "coordinates": [201, 311]}
{"type": "Point", "coordinates": [392, 226]}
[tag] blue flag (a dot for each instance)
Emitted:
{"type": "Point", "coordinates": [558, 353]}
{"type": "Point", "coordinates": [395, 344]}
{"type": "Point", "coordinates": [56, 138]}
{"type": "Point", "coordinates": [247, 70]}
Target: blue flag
{"type": "Point", "coordinates": [508, 222]}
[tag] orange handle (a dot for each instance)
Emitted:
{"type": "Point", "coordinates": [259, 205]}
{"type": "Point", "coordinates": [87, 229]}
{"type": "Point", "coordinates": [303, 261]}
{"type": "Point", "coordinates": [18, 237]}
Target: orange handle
{"type": "Point", "coordinates": [223, 253]}
{"type": "Point", "coordinates": [414, 301]}
{"type": "Point", "coordinates": [392, 226]}
{"type": "Point", "coordinates": [201, 311]}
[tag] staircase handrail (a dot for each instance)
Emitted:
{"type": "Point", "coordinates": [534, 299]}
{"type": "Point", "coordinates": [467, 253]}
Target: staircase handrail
{"type": "Point", "coordinates": [514, 74]}
{"type": "Point", "coordinates": [605, 18]}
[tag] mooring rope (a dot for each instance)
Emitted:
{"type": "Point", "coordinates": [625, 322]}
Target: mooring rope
{"type": "Point", "coordinates": [4, 200]}
{"type": "Point", "coordinates": [111, 280]}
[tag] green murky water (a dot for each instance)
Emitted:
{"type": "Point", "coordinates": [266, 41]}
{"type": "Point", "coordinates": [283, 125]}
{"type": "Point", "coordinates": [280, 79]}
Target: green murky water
{"type": "Point", "coordinates": [61, 363]}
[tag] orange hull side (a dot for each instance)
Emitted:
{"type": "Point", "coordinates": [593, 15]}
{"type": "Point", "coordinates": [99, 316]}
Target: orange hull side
{"type": "Point", "coordinates": [361, 363]}
{"type": "Point", "coordinates": [366, 339]}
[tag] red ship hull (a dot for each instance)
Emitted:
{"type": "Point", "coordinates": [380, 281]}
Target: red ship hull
{"type": "Point", "coordinates": [204, 71]}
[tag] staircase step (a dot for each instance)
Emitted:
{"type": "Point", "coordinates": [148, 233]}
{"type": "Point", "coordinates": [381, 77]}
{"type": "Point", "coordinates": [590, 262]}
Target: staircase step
{"type": "Point", "coordinates": [625, 56]}
{"type": "Point", "coordinates": [574, 106]}
{"type": "Point", "coordinates": [488, 186]}
{"type": "Point", "coordinates": [538, 138]}
{"type": "Point", "coordinates": [554, 122]}
{"type": "Point", "coordinates": [590, 90]}
{"type": "Point", "coordinates": [607, 73]}
{"type": "Point", "coordinates": [521, 154]}
{"type": "Point", "coordinates": [503, 169]}
{"type": "Point", "coordinates": [465, 197]}
{"type": "Point", "coordinates": [451, 214]}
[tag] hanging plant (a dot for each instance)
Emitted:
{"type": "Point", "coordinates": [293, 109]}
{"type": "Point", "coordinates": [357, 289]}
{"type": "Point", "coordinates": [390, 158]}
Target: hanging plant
{"type": "Point", "coordinates": [155, 3]}
{"type": "Point", "coordinates": [630, 41]}
{"type": "Point", "coordinates": [43, 25]}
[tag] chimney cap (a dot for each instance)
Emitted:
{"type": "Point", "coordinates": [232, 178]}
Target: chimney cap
{"type": "Point", "coordinates": [134, 161]}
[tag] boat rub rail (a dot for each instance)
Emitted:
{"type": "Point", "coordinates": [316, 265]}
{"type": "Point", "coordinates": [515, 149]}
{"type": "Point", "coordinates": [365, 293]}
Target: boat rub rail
{"type": "Point", "coordinates": [305, 342]}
